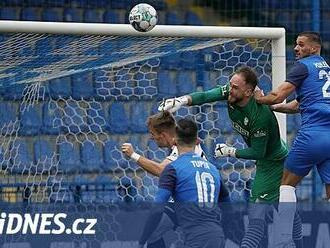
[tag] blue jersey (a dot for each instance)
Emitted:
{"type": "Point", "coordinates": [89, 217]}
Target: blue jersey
{"type": "Point", "coordinates": [190, 178]}
{"type": "Point", "coordinates": [194, 184]}
{"type": "Point", "coordinates": [311, 76]}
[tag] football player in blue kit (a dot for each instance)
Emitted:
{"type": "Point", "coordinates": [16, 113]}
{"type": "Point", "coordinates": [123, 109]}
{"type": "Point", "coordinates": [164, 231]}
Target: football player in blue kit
{"type": "Point", "coordinates": [195, 184]}
{"type": "Point", "coordinates": [161, 127]}
{"type": "Point", "coordinates": [310, 78]}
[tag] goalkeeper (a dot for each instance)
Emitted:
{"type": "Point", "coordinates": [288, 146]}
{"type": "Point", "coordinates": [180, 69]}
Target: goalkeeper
{"type": "Point", "coordinates": [259, 128]}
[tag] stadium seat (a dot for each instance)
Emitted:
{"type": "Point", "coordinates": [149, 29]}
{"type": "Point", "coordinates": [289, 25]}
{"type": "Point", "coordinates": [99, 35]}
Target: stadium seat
{"type": "Point", "coordinates": [91, 157]}
{"type": "Point", "coordinates": [172, 18]}
{"type": "Point", "coordinates": [118, 120]}
{"type": "Point", "coordinates": [30, 14]}
{"type": "Point", "coordinates": [111, 16]}
{"type": "Point", "coordinates": [106, 189]}
{"type": "Point", "coordinates": [96, 118]}
{"type": "Point", "coordinates": [9, 13]}
{"type": "Point", "coordinates": [93, 16]}
{"type": "Point", "coordinates": [171, 61]}
{"type": "Point", "coordinates": [69, 157]}
{"type": "Point", "coordinates": [204, 79]}
{"type": "Point", "coordinates": [189, 60]}
{"type": "Point", "coordinates": [223, 122]}
{"type": "Point", "coordinates": [193, 19]}
{"type": "Point", "coordinates": [43, 46]}
{"type": "Point", "coordinates": [20, 158]}
{"type": "Point", "coordinates": [123, 4]}
{"type": "Point", "coordinates": [186, 82]}
{"type": "Point", "coordinates": [113, 157]}
{"type": "Point", "coordinates": [7, 115]}
{"type": "Point", "coordinates": [265, 84]}
{"type": "Point", "coordinates": [154, 152]}
{"type": "Point", "coordinates": [60, 87]}
{"type": "Point", "coordinates": [82, 85]}
{"type": "Point", "coordinates": [139, 115]}
{"type": "Point", "coordinates": [52, 14]}
{"type": "Point", "coordinates": [14, 92]}
{"type": "Point", "coordinates": [73, 15]}
{"type": "Point", "coordinates": [44, 156]}
{"type": "Point", "coordinates": [51, 121]}
{"type": "Point", "coordinates": [166, 85]}
{"type": "Point", "coordinates": [30, 121]}
{"type": "Point", "coordinates": [75, 118]}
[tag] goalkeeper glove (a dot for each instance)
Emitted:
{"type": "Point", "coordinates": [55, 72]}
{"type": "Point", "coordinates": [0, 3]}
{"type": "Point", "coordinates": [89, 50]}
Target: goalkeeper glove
{"type": "Point", "coordinates": [222, 150]}
{"type": "Point", "coordinates": [173, 104]}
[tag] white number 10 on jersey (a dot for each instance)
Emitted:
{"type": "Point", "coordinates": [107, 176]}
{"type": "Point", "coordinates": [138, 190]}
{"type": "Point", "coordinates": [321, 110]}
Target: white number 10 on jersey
{"type": "Point", "coordinates": [205, 187]}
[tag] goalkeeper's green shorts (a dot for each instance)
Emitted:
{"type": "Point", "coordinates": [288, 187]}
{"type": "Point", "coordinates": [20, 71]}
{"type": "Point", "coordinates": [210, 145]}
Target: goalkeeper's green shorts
{"type": "Point", "coordinates": [267, 182]}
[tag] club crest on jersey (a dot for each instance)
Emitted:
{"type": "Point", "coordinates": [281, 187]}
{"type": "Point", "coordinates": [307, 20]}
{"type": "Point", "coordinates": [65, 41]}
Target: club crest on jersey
{"type": "Point", "coordinates": [246, 121]}
{"type": "Point", "coordinates": [259, 133]}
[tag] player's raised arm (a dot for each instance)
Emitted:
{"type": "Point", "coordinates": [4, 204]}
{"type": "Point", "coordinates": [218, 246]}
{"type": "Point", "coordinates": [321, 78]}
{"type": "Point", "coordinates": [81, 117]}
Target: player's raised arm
{"type": "Point", "coordinates": [150, 166]}
{"type": "Point", "coordinates": [196, 98]}
{"type": "Point", "coordinates": [287, 108]}
{"type": "Point", "coordinates": [276, 96]}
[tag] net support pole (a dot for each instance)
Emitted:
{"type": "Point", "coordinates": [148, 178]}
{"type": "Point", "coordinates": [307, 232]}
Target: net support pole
{"type": "Point", "coordinates": [277, 35]}
{"type": "Point", "coordinates": [278, 76]}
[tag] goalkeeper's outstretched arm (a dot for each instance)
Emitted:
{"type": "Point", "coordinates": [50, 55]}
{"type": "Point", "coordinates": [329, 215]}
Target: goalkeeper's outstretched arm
{"type": "Point", "coordinates": [196, 98]}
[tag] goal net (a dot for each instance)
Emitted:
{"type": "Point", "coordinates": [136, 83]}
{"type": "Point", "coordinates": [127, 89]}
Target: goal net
{"type": "Point", "coordinates": [70, 100]}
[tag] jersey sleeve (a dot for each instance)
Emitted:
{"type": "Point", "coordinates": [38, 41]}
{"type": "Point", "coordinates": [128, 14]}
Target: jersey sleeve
{"type": "Point", "coordinates": [259, 140]}
{"type": "Point", "coordinates": [297, 74]}
{"type": "Point", "coordinates": [216, 94]}
{"type": "Point", "coordinates": [166, 185]}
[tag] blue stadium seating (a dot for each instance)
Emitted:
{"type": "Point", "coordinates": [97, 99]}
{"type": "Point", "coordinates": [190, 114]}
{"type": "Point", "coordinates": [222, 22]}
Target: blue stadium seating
{"type": "Point", "coordinates": [69, 157]}
{"type": "Point", "coordinates": [91, 156]}
{"type": "Point", "coordinates": [82, 85]}
{"type": "Point", "coordinates": [93, 16]}
{"type": "Point", "coordinates": [223, 123]}
{"type": "Point", "coordinates": [138, 115]}
{"type": "Point", "coordinates": [43, 155]}
{"type": "Point", "coordinates": [30, 14]}
{"type": "Point", "coordinates": [74, 119]}
{"type": "Point", "coordinates": [166, 85]}
{"type": "Point", "coordinates": [9, 13]}
{"type": "Point", "coordinates": [96, 118]}
{"type": "Point", "coordinates": [193, 19]}
{"type": "Point", "coordinates": [51, 121]}
{"type": "Point", "coordinates": [30, 121]}
{"type": "Point", "coordinates": [7, 115]}
{"type": "Point", "coordinates": [189, 60]}
{"type": "Point", "coordinates": [52, 15]}
{"type": "Point", "coordinates": [73, 15]}
{"type": "Point", "coordinates": [204, 80]}
{"type": "Point", "coordinates": [186, 82]}
{"type": "Point", "coordinates": [171, 61]}
{"type": "Point", "coordinates": [123, 4]}
{"type": "Point", "coordinates": [118, 120]}
{"type": "Point", "coordinates": [14, 92]}
{"type": "Point", "coordinates": [111, 16]}
{"type": "Point", "coordinates": [172, 18]}
{"type": "Point", "coordinates": [20, 158]}
{"type": "Point", "coordinates": [113, 158]}
{"type": "Point", "coordinates": [60, 87]}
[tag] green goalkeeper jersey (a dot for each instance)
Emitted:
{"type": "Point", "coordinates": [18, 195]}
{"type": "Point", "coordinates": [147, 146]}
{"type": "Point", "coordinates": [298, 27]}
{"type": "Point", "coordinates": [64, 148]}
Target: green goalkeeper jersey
{"type": "Point", "coordinates": [259, 128]}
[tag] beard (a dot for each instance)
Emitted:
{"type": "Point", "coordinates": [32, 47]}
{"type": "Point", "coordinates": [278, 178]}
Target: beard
{"type": "Point", "coordinates": [234, 100]}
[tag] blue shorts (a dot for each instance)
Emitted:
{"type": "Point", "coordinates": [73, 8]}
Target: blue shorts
{"type": "Point", "coordinates": [310, 148]}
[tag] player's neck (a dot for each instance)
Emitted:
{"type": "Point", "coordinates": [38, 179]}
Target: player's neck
{"type": "Point", "coordinates": [185, 149]}
{"type": "Point", "coordinates": [244, 102]}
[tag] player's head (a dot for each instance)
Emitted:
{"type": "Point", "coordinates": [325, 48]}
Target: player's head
{"type": "Point", "coordinates": [242, 85]}
{"type": "Point", "coordinates": [308, 43]}
{"type": "Point", "coordinates": [162, 128]}
{"type": "Point", "coordinates": [186, 133]}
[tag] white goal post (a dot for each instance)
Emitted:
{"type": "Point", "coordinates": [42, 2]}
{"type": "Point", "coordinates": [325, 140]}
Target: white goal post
{"type": "Point", "coordinates": [277, 35]}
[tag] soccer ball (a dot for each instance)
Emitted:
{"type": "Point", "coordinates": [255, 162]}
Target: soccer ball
{"type": "Point", "coordinates": [143, 17]}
